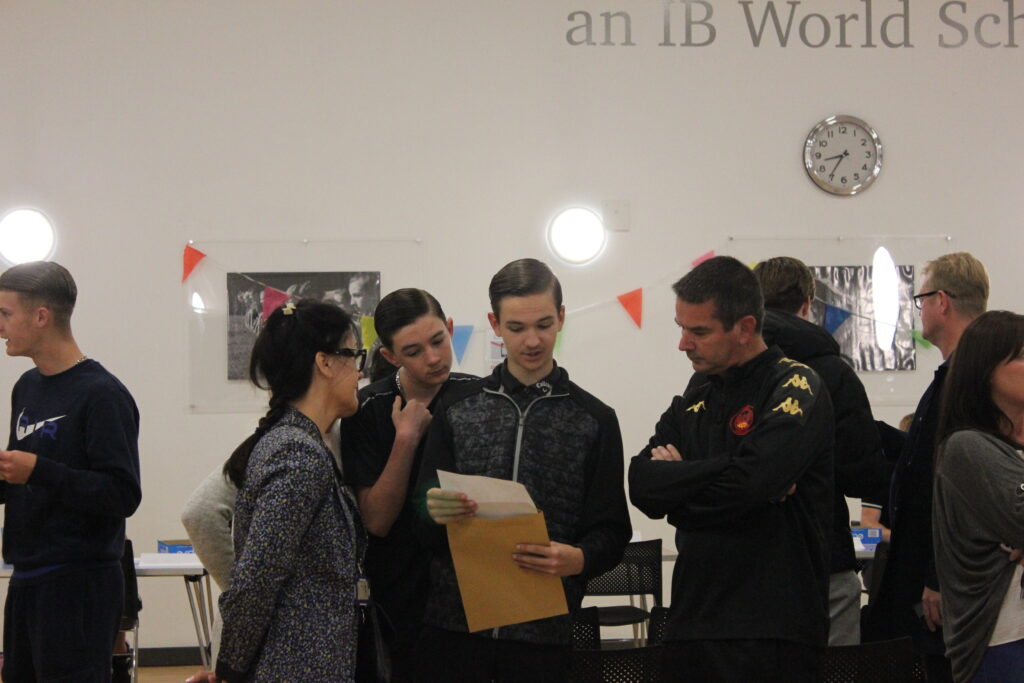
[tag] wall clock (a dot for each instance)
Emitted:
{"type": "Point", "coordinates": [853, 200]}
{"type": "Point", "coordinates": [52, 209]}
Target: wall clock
{"type": "Point", "coordinates": [843, 155]}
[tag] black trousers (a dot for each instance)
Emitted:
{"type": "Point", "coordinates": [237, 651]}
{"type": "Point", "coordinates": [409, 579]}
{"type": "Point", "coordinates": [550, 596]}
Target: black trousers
{"type": "Point", "coordinates": [464, 658]}
{"type": "Point", "coordinates": [741, 661]}
{"type": "Point", "coordinates": [60, 628]}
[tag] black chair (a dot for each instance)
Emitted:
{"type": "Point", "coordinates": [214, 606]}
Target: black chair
{"type": "Point", "coordinates": [586, 629]}
{"type": "Point", "coordinates": [129, 615]}
{"type": "Point", "coordinates": [639, 573]}
{"type": "Point", "coordinates": [628, 665]}
{"type": "Point", "coordinates": [885, 661]}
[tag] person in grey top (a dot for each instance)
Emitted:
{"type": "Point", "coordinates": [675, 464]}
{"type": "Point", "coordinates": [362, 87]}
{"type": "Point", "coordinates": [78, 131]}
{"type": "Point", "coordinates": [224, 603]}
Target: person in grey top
{"type": "Point", "coordinates": [978, 503]}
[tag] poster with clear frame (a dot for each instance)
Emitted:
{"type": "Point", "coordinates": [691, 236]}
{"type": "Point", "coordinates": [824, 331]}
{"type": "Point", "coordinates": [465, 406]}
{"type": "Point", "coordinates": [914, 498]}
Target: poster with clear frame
{"type": "Point", "coordinates": [844, 303]}
{"type": "Point", "coordinates": [356, 292]}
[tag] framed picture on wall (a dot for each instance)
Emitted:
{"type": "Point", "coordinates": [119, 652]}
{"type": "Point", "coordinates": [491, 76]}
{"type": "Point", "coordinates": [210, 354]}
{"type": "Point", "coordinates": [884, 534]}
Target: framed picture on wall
{"type": "Point", "coordinates": [357, 292]}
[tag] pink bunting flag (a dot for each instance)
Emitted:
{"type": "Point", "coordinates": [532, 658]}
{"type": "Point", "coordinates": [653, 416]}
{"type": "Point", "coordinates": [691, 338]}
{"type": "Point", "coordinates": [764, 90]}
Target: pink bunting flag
{"type": "Point", "coordinates": [272, 300]}
{"type": "Point", "coordinates": [633, 302]}
{"type": "Point", "coordinates": [701, 259]}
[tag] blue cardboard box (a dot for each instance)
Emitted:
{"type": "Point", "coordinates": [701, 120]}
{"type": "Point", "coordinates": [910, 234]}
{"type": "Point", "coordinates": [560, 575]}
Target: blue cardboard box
{"type": "Point", "coordinates": [182, 545]}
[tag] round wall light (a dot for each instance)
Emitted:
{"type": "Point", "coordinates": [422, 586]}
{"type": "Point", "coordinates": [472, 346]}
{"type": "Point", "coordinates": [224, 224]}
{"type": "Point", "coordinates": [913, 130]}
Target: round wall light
{"type": "Point", "coordinates": [26, 235]}
{"type": "Point", "coordinates": [577, 236]}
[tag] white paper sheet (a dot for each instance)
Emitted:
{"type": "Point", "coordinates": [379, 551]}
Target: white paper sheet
{"type": "Point", "coordinates": [495, 498]}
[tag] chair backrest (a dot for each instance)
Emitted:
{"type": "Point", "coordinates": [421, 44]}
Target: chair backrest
{"type": "Point", "coordinates": [638, 573]}
{"type": "Point", "coordinates": [628, 665]}
{"type": "Point", "coordinates": [132, 603]}
{"type": "Point", "coordinates": [885, 661]}
{"type": "Point", "coordinates": [586, 629]}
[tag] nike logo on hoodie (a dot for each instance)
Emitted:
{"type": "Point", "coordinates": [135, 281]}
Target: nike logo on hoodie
{"type": "Point", "coordinates": [25, 427]}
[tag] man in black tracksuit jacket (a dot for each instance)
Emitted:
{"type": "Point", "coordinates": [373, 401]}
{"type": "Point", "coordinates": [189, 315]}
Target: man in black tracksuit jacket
{"type": "Point", "coordinates": [741, 465]}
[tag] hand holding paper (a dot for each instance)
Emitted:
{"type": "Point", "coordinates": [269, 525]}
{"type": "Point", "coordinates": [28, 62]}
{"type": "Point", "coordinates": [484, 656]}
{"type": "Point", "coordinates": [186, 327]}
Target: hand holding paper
{"type": "Point", "coordinates": [449, 506]}
{"type": "Point", "coordinates": [491, 498]}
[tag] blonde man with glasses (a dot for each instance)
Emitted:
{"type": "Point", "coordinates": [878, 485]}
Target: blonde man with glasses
{"type": "Point", "coordinates": [908, 603]}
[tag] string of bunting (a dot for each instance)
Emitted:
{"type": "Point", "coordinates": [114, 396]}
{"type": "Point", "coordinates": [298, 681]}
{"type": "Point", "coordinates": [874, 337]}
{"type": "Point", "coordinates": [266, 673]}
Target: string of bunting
{"type": "Point", "coordinates": [632, 302]}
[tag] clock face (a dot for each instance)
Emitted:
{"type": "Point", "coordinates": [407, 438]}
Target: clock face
{"type": "Point", "coordinates": [843, 155]}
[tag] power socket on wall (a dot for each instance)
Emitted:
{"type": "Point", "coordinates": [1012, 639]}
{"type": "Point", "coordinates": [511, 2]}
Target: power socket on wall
{"type": "Point", "coordinates": [615, 214]}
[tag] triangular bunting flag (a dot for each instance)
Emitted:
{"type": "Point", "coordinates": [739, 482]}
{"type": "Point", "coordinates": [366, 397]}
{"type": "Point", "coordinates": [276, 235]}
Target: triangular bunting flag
{"type": "Point", "coordinates": [190, 259]}
{"type": "Point", "coordinates": [369, 331]}
{"type": "Point", "coordinates": [558, 340]}
{"type": "Point", "coordinates": [460, 340]}
{"type": "Point", "coordinates": [633, 302]}
{"type": "Point", "coordinates": [834, 318]}
{"type": "Point", "coordinates": [273, 299]}
{"type": "Point", "coordinates": [702, 258]}
{"type": "Point", "coordinates": [922, 342]}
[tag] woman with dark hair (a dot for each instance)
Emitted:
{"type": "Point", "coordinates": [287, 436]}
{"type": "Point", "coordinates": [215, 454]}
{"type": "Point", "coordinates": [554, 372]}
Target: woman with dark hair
{"type": "Point", "coordinates": [978, 507]}
{"type": "Point", "coordinates": [381, 448]}
{"type": "Point", "coordinates": [290, 611]}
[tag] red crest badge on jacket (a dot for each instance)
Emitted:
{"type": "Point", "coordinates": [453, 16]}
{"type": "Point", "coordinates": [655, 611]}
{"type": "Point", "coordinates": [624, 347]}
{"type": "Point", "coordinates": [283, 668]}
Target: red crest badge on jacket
{"type": "Point", "coordinates": [743, 421]}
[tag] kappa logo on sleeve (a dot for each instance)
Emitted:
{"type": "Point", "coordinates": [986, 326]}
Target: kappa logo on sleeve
{"type": "Point", "coordinates": [47, 427]}
{"type": "Point", "coordinates": [790, 406]}
{"type": "Point", "coordinates": [696, 407]}
{"type": "Point", "coordinates": [743, 421]}
{"type": "Point", "coordinates": [800, 382]}
{"type": "Point", "coordinates": [793, 364]}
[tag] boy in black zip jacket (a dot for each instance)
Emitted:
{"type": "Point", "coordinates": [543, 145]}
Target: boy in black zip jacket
{"type": "Point", "coordinates": [529, 423]}
{"type": "Point", "coordinates": [741, 465]}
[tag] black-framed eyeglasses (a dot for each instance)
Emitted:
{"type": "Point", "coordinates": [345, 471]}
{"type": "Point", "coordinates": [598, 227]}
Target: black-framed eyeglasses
{"type": "Point", "coordinates": [918, 298]}
{"type": "Point", "coordinates": [358, 354]}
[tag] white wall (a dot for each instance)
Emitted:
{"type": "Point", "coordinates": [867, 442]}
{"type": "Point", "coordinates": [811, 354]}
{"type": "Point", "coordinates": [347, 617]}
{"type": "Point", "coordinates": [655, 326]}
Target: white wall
{"type": "Point", "coordinates": [138, 126]}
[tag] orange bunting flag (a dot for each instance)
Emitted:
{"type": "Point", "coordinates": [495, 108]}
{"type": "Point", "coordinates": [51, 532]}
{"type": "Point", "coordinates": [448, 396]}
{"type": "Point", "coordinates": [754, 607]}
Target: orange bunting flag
{"type": "Point", "coordinates": [633, 302]}
{"type": "Point", "coordinates": [190, 259]}
{"type": "Point", "coordinates": [273, 299]}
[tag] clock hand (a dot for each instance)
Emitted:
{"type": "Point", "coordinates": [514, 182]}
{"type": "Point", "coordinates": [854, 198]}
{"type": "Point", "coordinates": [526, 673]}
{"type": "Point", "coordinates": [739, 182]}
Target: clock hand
{"type": "Point", "coordinates": [841, 157]}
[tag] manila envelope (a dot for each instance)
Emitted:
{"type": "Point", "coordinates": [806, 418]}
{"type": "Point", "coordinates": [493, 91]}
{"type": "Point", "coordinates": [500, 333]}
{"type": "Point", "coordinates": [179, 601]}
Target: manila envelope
{"type": "Point", "coordinates": [495, 591]}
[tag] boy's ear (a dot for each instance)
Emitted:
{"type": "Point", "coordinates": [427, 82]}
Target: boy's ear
{"type": "Point", "coordinates": [493, 320]}
{"type": "Point", "coordinates": [389, 356]}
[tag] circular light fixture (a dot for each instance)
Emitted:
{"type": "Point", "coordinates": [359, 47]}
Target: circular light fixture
{"type": "Point", "coordinates": [577, 236]}
{"type": "Point", "coordinates": [198, 305]}
{"type": "Point", "coordinates": [26, 235]}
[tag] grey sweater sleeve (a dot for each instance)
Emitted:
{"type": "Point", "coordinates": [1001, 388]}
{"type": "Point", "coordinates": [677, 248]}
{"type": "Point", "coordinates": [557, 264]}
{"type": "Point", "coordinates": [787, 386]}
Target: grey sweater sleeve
{"type": "Point", "coordinates": [988, 475]}
{"type": "Point", "coordinates": [978, 504]}
{"type": "Point", "coordinates": [207, 519]}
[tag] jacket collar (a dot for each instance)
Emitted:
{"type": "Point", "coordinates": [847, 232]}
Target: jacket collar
{"type": "Point", "coordinates": [297, 419]}
{"type": "Point", "coordinates": [502, 379]}
{"type": "Point", "coordinates": [740, 373]}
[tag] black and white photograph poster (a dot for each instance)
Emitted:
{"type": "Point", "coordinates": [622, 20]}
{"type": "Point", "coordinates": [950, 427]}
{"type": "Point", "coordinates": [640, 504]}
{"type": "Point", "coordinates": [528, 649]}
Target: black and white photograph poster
{"type": "Point", "coordinates": [356, 292]}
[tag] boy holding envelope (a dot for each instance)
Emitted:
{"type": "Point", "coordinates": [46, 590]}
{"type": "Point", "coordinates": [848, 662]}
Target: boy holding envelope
{"type": "Point", "coordinates": [528, 423]}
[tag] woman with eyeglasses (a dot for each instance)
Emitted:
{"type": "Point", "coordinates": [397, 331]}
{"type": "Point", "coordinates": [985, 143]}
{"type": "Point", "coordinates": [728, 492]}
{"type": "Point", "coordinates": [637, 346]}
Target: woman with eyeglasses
{"type": "Point", "coordinates": [978, 506]}
{"type": "Point", "coordinates": [290, 612]}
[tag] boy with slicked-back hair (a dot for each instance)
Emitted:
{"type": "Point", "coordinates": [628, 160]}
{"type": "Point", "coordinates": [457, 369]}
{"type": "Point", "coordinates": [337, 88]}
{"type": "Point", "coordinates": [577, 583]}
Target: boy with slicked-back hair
{"type": "Point", "coordinates": [529, 423]}
{"type": "Point", "coordinates": [70, 478]}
